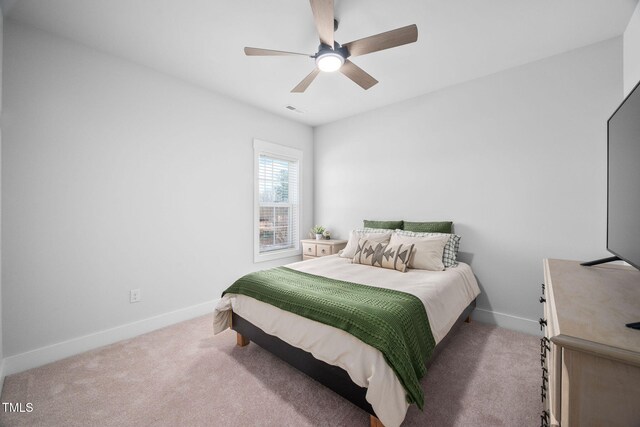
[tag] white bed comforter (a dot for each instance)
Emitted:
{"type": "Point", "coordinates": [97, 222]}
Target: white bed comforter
{"type": "Point", "coordinates": [445, 294]}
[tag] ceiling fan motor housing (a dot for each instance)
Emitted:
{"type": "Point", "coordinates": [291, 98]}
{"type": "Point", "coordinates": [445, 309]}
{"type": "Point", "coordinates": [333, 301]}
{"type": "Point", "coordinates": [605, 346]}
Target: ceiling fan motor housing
{"type": "Point", "coordinates": [337, 48]}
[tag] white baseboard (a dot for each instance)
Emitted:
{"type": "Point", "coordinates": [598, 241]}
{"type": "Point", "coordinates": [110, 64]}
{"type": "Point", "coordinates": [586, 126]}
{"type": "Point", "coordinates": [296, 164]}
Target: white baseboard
{"type": "Point", "coordinates": [2, 374]}
{"type": "Point", "coordinates": [507, 321]}
{"type": "Point", "coordinates": [42, 356]}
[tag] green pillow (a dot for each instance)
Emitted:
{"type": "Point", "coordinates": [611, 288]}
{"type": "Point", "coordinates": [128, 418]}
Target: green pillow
{"type": "Point", "coordinates": [429, 227]}
{"type": "Point", "coordinates": [388, 225]}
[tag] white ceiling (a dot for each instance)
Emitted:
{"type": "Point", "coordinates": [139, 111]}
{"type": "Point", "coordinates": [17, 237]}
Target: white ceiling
{"type": "Point", "coordinates": [201, 41]}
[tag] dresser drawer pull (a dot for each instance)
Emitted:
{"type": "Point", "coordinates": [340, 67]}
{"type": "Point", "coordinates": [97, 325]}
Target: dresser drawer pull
{"type": "Point", "coordinates": [544, 346]}
{"type": "Point", "coordinates": [322, 251]}
{"type": "Point", "coordinates": [544, 419]}
{"type": "Point", "coordinates": [308, 249]}
{"type": "Point", "coordinates": [543, 300]}
{"type": "Point", "coordinates": [543, 323]}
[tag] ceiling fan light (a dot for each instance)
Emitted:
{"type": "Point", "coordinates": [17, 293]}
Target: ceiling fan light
{"type": "Point", "coordinates": [329, 61]}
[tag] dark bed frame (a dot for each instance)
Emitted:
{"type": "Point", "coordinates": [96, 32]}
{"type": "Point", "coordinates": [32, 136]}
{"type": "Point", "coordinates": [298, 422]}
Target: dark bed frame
{"type": "Point", "coordinates": [330, 376]}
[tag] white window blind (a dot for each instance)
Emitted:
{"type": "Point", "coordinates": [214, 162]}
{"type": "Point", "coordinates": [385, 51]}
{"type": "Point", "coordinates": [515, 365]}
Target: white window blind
{"type": "Point", "coordinates": [277, 200]}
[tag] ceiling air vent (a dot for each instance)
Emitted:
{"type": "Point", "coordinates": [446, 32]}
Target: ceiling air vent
{"type": "Point", "coordinates": [292, 108]}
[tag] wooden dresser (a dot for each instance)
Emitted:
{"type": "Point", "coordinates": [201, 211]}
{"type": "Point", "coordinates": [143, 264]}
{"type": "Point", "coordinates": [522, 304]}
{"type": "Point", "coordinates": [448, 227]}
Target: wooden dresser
{"type": "Point", "coordinates": [590, 360]}
{"type": "Point", "coordinates": [317, 248]}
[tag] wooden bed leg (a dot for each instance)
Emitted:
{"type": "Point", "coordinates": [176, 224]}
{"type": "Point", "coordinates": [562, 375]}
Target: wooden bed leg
{"type": "Point", "coordinates": [241, 341]}
{"type": "Point", "coordinates": [374, 422]}
{"type": "Point", "coordinates": [468, 319]}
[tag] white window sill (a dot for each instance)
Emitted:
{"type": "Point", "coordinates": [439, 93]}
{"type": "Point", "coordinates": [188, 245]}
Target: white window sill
{"type": "Point", "coordinates": [272, 255]}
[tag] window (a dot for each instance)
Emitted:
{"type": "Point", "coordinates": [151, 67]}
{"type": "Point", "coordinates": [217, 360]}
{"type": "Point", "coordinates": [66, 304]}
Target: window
{"type": "Point", "coordinates": [277, 201]}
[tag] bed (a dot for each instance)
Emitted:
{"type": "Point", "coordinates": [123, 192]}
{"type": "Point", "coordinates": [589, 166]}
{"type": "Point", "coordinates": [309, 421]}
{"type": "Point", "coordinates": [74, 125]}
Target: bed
{"type": "Point", "coordinates": [342, 362]}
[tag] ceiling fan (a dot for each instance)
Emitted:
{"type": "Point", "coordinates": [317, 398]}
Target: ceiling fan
{"type": "Point", "coordinates": [332, 56]}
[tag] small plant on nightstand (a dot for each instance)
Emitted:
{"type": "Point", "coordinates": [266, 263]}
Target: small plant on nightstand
{"type": "Point", "coordinates": [318, 230]}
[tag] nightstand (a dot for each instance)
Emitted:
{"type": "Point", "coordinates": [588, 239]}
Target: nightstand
{"type": "Point", "coordinates": [317, 248]}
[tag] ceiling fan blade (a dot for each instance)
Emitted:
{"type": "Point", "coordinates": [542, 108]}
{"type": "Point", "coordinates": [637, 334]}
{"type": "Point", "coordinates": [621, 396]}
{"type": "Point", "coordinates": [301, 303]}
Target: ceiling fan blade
{"type": "Point", "coordinates": [358, 75]}
{"type": "Point", "coordinates": [323, 16]}
{"type": "Point", "coordinates": [304, 84]}
{"type": "Point", "coordinates": [256, 51]}
{"type": "Point", "coordinates": [386, 40]}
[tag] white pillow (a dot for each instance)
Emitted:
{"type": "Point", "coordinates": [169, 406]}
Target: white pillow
{"type": "Point", "coordinates": [427, 250]}
{"type": "Point", "coordinates": [450, 253]}
{"type": "Point", "coordinates": [375, 237]}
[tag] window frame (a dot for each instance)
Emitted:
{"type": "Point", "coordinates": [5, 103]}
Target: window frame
{"type": "Point", "coordinates": [282, 152]}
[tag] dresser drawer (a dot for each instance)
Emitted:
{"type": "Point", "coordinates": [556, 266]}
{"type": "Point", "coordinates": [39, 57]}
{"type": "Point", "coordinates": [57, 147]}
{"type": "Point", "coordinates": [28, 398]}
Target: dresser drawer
{"type": "Point", "coordinates": [309, 249]}
{"type": "Point", "coordinates": [553, 358]}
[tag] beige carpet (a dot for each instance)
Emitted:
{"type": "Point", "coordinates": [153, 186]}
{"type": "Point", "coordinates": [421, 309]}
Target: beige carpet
{"type": "Point", "coordinates": [184, 376]}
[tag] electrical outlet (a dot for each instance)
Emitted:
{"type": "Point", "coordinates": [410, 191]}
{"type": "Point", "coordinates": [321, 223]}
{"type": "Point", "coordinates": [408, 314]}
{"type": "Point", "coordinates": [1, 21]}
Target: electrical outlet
{"type": "Point", "coordinates": [135, 295]}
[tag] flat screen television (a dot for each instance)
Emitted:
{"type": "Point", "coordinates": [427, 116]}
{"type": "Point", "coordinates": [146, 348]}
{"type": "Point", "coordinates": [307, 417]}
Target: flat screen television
{"type": "Point", "coordinates": [623, 182]}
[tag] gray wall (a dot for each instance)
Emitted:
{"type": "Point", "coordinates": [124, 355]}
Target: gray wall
{"type": "Point", "coordinates": [632, 52]}
{"type": "Point", "coordinates": [516, 159]}
{"type": "Point", "coordinates": [117, 177]}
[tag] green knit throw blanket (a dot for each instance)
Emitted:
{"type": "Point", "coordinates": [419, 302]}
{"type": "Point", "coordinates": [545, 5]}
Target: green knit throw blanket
{"type": "Point", "coordinates": [391, 321]}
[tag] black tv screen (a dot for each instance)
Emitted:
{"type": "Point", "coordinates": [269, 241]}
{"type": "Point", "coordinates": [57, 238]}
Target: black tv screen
{"type": "Point", "coordinates": [623, 205]}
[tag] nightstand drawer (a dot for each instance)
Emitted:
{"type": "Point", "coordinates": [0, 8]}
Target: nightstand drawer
{"type": "Point", "coordinates": [323, 250]}
{"type": "Point", "coordinates": [309, 249]}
